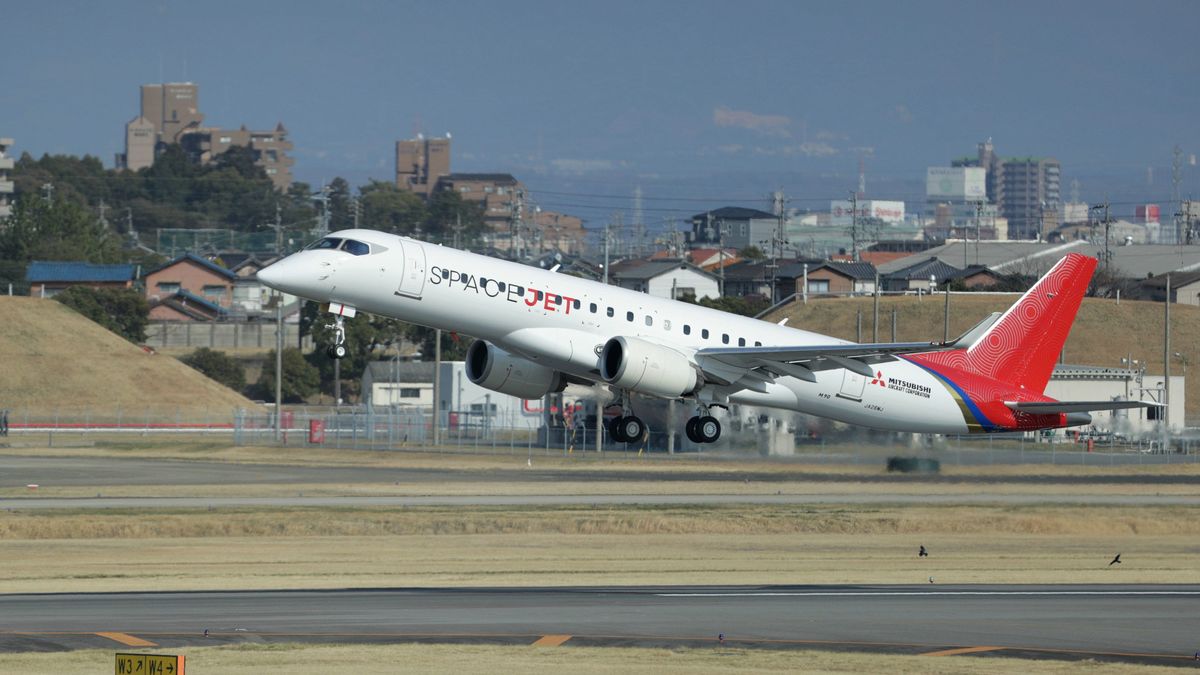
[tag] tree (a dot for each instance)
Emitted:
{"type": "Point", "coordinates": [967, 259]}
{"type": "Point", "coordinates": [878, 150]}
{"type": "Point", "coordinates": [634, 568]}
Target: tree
{"type": "Point", "coordinates": [749, 305]}
{"type": "Point", "coordinates": [752, 253]}
{"type": "Point", "coordinates": [57, 230]}
{"type": "Point", "coordinates": [219, 366]}
{"type": "Point", "coordinates": [388, 208]}
{"type": "Point", "coordinates": [124, 312]}
{"type": "Point", "coordinates": [450, 215]}
{"type": "Point", "coordinates": [300, 378]}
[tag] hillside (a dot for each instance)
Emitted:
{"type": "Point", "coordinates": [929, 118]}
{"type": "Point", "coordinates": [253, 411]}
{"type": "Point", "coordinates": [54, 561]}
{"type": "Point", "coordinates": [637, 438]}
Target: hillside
{"type": "Point", "coordinates": [52, 359]}
{"type": "Point", "coordinates": [1103, 334]}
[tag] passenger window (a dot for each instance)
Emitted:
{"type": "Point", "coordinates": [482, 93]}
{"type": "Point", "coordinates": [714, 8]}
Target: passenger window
{"type": "Point", "coordinates": [516, 290]}
{"type": "Point", "coordinates": [540, 296]}
{"type": "Point", "coordinates": [629, 316]}
{"type": "Point", "coordinates": [593, 307]}
{"type": "Point", "coordinates": [704, 333]}
{"type": "Point", "coordinates": [649, 320]}
{"type": "Point", "coordinates": [577, 304]}
{"type": "Point", "coordinates": [724, 338]}
{"type": "Point", "coordinates": [558, 299]}
{"type": "Point", "coordinates": [741, 342]}
{"type": "Point", "coordinates": [355, 247]}
{"type": "Point", "coordinates": [687, 329]}
{"type": "Point", "coordinates": [611, 313]}
{"type": "Point", "coordinates": [757, 343]}
{"type": "Point", "coordinates": [445, 273]}
{"type": "Point", "coordinates": [500, 285]}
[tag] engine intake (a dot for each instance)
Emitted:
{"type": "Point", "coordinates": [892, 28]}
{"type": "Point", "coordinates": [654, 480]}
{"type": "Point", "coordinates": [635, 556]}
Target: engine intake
{"type": "Point", "coordinates": [493, 368]}
{"type": "Point", "coordinates": [637, 365]}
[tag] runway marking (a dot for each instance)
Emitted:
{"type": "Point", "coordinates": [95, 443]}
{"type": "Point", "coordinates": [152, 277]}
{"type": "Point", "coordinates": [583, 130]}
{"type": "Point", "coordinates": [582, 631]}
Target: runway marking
{"type": "Point", "coordinates": [961, 650]}
{"type": "Point", "coordinates": [128, 640]}
{"type": "Point", "coordinates": [551, 640]}
{"type": "Point", "coordinates": [788, 594]}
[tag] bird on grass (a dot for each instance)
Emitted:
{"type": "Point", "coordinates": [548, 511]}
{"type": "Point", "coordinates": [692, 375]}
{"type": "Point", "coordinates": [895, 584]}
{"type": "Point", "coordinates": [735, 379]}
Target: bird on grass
{"type": "Point", "coordinates": [1115, 560]}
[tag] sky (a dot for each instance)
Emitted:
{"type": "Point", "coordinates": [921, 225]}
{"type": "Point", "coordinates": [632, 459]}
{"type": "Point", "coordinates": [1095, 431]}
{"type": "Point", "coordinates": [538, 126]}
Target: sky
{"type": "Point", "coordinates": [697, 99]}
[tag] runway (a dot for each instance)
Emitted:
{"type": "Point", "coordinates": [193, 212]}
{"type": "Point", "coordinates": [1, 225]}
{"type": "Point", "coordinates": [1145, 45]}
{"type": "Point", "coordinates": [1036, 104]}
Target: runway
{"type": "Point", "coordinates": [1154, 624]}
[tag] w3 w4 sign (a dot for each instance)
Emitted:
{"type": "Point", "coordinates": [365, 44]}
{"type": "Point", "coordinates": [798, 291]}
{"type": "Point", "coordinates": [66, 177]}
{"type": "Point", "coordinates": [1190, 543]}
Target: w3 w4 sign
{"type": "Point", "coordinates": [149, 664]}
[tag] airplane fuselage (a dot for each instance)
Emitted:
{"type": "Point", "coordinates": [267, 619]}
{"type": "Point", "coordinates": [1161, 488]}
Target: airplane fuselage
{"type": "Point", "coordinates": [563, 322]}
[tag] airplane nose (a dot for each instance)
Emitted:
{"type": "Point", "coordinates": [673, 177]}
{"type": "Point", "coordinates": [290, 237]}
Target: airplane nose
{"type": "Point", "coordinates": [269, 275]}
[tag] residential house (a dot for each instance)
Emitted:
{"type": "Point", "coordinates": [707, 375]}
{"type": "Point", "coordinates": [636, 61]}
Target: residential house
{"type": "Point", "coordinates": [923, 275]}
{"type": "Point", "coordinates": [839, 278]}
{"type": "Point", "coordinates": [1185, 288]}
{"type": "Point", "coordinates": [49, 278]}
{"type": "Point", "coordinates": [665, 279]}
{"type": "Point", "coordinates": [184, 281]}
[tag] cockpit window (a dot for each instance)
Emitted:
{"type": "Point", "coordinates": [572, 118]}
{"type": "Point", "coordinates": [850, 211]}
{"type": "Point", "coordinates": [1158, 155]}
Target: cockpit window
{"type": "Point", "coordinates": [327, 242]}
{"type": "Point", "coordinates": [348, 245]}
{"type": "Point", "coordinates": [355, 247]}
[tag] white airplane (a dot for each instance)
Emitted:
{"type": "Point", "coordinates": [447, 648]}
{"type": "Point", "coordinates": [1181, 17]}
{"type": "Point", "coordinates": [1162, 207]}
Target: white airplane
{"type": "Point", "coordinates": [538, 330]}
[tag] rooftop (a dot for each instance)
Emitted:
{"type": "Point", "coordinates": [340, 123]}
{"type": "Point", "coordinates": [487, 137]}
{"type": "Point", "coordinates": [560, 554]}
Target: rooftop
{"type": "Point", "coordinates": [43, 271]}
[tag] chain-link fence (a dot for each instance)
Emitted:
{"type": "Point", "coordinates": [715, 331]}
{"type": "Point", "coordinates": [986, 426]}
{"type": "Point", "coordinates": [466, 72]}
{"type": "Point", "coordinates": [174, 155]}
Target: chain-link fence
{"type": "Point", "coordinates": [412, 429]}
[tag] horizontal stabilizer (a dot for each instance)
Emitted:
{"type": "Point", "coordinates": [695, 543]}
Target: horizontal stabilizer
{"type": "Point", "coordinates": [1053, 407]}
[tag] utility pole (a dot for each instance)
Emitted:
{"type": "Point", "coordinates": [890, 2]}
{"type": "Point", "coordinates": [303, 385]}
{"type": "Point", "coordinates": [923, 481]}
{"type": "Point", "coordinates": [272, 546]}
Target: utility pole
{"type": "Point", "coordinates": [1166, 397]}
{"type": "Point", "coordinates": [854, 226]}
{"type": "Point", "coordinates": [721, 255]}
{"type": "Point", "coordinates": [437, 390]}
{"type": "Point", "coordinates": [607, 240]}
{"type": "Point", "coordinates": [1107, 252]}
{"type": "Point", "coordinates": [278, 297]}
{"type": "Point", "coordinates": [978, 224]}
{"type": "Point", "coordinates": [278, 227]}
{"type": "Point", "coordinates": [48, 192]}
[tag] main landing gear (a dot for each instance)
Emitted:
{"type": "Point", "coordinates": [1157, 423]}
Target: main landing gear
{"type": "Point", "coordinates": [703, 428]}
{"type": "Point", "coordinates": [337, 350]}
{"type": "Point", "coordinates": [626, 428]}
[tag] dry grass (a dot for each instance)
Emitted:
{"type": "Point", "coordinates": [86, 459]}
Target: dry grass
{"type": "Point", "coordinates": [568, 547]}
{"type": "Point", "coordinates": [56, 360]}
{"type": "Point", "coordinates": [1104, 332]}
{"type": "Point", "coordinates": [381, 659]}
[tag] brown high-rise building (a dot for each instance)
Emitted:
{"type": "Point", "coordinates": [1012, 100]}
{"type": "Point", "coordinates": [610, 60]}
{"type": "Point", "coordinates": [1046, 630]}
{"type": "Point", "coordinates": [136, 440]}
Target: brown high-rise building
{"type": "Point", "coordinates": [420, 162]}
{"type": "Point", "coordinates": [170, 113]}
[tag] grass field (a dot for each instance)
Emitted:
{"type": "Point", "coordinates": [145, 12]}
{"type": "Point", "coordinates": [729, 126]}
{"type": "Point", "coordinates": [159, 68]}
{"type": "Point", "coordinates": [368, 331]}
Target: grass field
{"type": "Point", "coordinates": [386, 659]}
{"type": "Point", "coordinates": [304, 548]}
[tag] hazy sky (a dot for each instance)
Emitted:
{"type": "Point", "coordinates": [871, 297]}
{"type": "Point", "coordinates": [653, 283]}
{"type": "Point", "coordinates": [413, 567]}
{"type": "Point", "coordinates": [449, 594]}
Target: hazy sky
{"type": "Point", "coordinates": [597, 93]}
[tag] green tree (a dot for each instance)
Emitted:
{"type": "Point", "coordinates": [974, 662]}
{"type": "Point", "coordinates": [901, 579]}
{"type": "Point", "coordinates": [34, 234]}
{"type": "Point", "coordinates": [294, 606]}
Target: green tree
{"type": "Point", "coordinates": [452, 220]}
{"type": "Point", "coordinates": [218, 366]}
{"type": "Point", "coordinates": [300, 378]}
{"type": "Point", "coordinates": [57, 230]}
{"type": "Point", "coordinates": [388, 208]}
{"type": "Point", "coordinates": [752, 253]}
{"type": "Point", "coordinates": [749, 305]}
{"type": "Point", "coordinates": [124, 312]}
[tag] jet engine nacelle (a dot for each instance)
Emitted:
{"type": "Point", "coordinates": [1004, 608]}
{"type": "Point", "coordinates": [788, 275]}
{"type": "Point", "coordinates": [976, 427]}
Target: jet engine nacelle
{"type": "Point", "coordinates": [493, 368]}
{"type": "Point", "coordinates": [637, 365]}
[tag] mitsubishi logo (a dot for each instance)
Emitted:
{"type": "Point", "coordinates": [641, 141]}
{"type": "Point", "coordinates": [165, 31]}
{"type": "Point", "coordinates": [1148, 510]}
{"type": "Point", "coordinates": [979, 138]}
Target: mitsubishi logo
{"type": "Point", "coordinates": [879, 379]}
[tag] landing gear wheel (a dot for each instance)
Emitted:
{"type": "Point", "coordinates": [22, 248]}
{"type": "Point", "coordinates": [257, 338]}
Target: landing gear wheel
{"type": "Point", "coordinates": [632, 428]}
{"type": "Point", "coordinates": [690, 430]}
{"type": "Point", "coordinates": [338, 349]}
{"type": "Point", "coordinates": [615, 428]}
{"type": "Point", "coordinates": [708, 429]}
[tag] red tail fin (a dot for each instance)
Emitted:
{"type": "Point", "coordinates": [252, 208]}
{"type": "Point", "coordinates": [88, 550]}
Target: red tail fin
{"type": "Point", "coordinates": [1022, 346]}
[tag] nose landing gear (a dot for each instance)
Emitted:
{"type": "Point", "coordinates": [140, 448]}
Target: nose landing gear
{"type": "Point", "coordinates": [337, 350]}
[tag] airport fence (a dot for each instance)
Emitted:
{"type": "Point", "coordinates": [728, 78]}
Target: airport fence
{"type": "Point", "coordinates": [412, 429]}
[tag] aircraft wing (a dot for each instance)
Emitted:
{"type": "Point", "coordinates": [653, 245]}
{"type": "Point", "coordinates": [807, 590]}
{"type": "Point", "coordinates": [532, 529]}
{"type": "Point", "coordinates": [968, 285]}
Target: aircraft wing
{"type": "Point", "coordinates": [751, 367]}
{"type": "Point", "coordinates": [1054, 407]}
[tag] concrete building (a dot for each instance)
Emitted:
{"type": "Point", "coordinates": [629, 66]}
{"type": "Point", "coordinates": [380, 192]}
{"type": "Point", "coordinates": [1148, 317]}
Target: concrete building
{"type": "Point", "coordinates": [6, 184]}
{"type": "Point", "coordinates": [1026, 190]}
{"type": "Point", "coordinates": [1031, 196]}
{"type": "Point", "coordinates": [1094, 383]}
{"type": "Point", "coordinates": [421, 162]}
{"type": "Point", "coordinates": [398, 383]}
{"type": "Point", "coordinates": [170, 113]}
{"type": "Point", "coordinates": [47, 279]}
{"type": "Point", "coordinates": [734, 227]}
